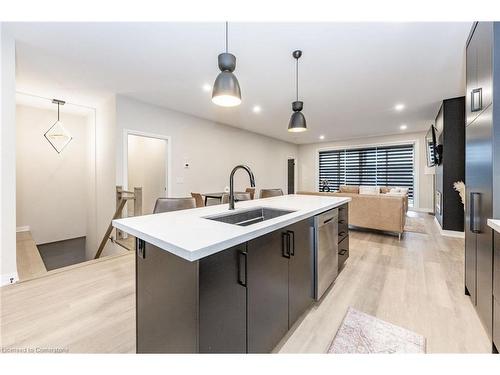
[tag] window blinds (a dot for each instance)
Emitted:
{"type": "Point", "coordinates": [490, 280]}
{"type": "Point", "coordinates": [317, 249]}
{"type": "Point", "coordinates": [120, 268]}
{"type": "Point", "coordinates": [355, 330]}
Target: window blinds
{"type": "Point", "coordinates": [372, 166]}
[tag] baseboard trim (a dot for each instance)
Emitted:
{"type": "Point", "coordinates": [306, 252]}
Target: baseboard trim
{"type": "Point", "coordinates": [25, 228]}
{"type": "Point", "coordinates": [9, 279]}
{"type": "Point", "coordinates": [448, 233]}
{"type": "Point", "coordinates": [426, 210]}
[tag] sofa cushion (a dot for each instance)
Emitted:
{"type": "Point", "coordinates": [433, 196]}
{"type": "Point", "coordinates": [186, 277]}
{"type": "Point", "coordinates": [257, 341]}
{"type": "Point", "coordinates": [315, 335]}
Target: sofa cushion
{"type": "Point", "coordinates": [369, 190]}
{"type": "Point", "coordinates": [349, 189]}
{"type": "Point", "coordinates": [382, 211]}
{"type": "Point", "coordinates": [401, 190]}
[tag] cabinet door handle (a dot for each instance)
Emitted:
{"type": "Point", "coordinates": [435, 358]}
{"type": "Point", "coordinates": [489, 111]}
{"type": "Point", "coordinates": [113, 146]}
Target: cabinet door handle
{"type": "Point", "coordinates": [342, 252]}
{"type": "Point", "coordinates": [474, 218]}
{"type": "Point", "coordinates": [141, 248]}
{"type": "Point", "coordinates": [341, 221]}
{"type": "Point", "coordinates": [291, 249]}
{"type": "Point", "coordinates": [285, 245]}
{"type": "Point", "coordinates": [244, 268]}
{"type": "Point", "coordinates": [476, 100]}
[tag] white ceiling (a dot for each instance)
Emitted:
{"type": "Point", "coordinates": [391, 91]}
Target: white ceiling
{"type": "Point", "coordinates": [351, 74]}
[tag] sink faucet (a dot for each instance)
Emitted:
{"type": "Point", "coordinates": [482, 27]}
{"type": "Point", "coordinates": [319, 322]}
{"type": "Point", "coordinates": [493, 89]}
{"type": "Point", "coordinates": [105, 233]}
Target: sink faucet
{"type": "Point", "coordinates": [231, 183]}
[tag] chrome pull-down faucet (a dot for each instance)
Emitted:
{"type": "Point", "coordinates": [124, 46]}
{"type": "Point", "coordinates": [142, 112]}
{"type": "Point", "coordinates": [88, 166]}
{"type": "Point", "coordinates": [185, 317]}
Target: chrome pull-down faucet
{"type": "Point", "coordinates": [231, 182]}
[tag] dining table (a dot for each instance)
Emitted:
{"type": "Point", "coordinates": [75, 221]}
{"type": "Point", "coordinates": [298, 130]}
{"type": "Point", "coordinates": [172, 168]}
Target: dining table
{"type": "Point", "coordinates": [217, 195]}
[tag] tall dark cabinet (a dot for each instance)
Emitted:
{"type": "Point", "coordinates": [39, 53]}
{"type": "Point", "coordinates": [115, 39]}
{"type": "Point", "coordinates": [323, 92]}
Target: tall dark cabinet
{"type": "Point", "coordinates": [450, 122]}
{"type": "Point", "coordinates": [482, 167]}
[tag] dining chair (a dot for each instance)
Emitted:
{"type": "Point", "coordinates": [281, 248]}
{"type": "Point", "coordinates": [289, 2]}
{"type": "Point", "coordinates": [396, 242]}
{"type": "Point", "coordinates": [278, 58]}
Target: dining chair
{"type": "Point", "coordinates": [173, 204]}
{"type": "Point", "coordinates": [251, 191]}
{"type": "Point", "coordinates": [266, 193]}
{"type": "Point", "coordinates": [237, 197]}
{"type": "Point", "coordinates": [198, 199]}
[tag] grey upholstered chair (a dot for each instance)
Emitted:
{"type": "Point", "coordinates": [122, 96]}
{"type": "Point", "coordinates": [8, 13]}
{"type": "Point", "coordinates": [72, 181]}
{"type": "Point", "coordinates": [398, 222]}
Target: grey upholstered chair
{"type": "Point", "coordinates": [173, 204]}
{"type": "Point", "coordinates": [198, 199]}
{"type": "Point", "coordinates": [237, 197]}
{"type": "Point", "coordinates": [266, 193]}
{"type": "Point", "coordinates": [251, 190]}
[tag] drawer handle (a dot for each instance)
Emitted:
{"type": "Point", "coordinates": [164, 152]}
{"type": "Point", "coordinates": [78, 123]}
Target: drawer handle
{"type": "Point", "coordinates": [341, 233]}
{"type": "Point", "coordinates": [341, 221]}
{"type": "Point", "coordinates": [343, 252]}
{"type": "Point", "coordinates": [328, 220]}
{"type": "Point", "coordinates": [476, 100]}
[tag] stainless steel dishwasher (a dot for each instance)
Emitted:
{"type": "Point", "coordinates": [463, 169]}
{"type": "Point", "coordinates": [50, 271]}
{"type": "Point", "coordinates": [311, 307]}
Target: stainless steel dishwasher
{"type": "Point", "coordinates": [325, 251]}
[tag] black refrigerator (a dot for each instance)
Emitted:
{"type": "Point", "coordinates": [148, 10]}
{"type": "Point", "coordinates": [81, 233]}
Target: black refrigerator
{"type": "Point", "coordinates": [482, 167]}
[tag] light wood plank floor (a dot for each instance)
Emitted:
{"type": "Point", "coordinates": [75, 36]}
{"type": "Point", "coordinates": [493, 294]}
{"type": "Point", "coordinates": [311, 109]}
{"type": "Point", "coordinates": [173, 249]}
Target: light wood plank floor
{"type": "Point", "coordinates": [29, 261]}
{"type": "Point", "coordinates": [416, 283]}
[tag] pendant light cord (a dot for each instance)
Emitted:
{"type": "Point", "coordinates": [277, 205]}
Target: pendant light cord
{"type": "Point", "coordinates": [226, 34]}
{"type": "Point", "coordinates": [57, 111]}
{"type": "Point", "coordinates": [297, 79]}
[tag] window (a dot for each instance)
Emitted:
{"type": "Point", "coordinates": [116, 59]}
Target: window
{"type": "Point", "coordinates": [375, 166]}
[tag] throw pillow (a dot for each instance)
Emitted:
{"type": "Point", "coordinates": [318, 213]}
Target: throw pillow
{"type": "Point", "coordinates": [369, 190]}
{"type": "Point", "coordinates": [403, 190]}
{"type": "Point", "coordinates": [349, 189]}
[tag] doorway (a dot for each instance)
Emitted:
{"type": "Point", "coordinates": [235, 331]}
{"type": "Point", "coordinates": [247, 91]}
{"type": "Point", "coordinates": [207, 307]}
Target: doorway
{"type": "Point", "coordinates": [291, 175]}
{"type": "Point", "coordinates": [147, 159]}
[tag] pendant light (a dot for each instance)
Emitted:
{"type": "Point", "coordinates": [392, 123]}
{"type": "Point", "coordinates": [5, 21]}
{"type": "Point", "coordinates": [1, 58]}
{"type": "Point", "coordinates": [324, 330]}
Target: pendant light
{"type": "Point", "coordinates": [57, 135]}
{"type": "Point", "coordinates": [226, 92]}
{"type": "Point", "coordinates": [297, 121]}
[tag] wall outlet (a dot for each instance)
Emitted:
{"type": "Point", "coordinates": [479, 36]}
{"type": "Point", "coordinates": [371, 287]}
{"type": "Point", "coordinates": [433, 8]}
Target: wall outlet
{"type": "Point", "coordinates": [179, 180]}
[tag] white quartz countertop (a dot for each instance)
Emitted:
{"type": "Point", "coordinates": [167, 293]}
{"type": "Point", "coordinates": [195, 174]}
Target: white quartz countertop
{"type": "Point", "coordinates": [189, 235]}
{"type": "Point", "coordinates": [495, 224]}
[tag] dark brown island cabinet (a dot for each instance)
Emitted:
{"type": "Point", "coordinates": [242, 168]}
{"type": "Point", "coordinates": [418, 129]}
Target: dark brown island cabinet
{"type": "Point", "coordinates": [343, 234]}
{"type": "Point", "coordinates": [240, 300]}
{"type": "Point", "coordinates": [482, 171]}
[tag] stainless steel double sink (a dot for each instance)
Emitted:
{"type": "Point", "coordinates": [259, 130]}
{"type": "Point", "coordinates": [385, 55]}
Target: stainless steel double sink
{"type": "Point", "coordinates": [250, 216]}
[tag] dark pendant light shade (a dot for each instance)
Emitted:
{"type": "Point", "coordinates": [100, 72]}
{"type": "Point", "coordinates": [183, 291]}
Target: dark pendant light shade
{"type": "Point", "coordinates": [226, 91]}
{"type": "Point", "coordinates": [297, 122]}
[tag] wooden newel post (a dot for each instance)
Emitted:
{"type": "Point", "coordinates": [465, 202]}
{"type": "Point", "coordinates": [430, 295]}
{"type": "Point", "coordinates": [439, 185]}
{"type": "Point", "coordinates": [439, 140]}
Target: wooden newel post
{"type": "Point", "coordinates": [119, 192]}
{"type": "Point", "coordinates": [137, 201]}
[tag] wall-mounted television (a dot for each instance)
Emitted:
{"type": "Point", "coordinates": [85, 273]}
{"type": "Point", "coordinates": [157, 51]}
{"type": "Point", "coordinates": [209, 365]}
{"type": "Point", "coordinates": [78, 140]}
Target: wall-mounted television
{"type": "Point", "coordinates": [432, 149]}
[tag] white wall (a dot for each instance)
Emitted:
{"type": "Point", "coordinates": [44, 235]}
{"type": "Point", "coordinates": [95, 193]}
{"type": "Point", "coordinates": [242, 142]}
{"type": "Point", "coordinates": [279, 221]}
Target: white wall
{"type": "Point", "coordinates": [147, 168]}
{"type": "Point", "coordinates": [51, 188]}
{"type": "Point", "coordinates": [8, 159]}
{"type": "Point", "coordinates": [308, 163]}
{"type": "Point", "coordinates": [211, 149]}
{"type": "Point", "coordinates": [105, 173]}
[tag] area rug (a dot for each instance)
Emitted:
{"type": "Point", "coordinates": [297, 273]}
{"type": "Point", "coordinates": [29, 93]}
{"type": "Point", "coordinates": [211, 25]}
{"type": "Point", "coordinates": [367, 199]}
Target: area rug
{"type": "Point", "coordinates": [415, 224]}
{"type": "Point", "coordinates": [362, 333]}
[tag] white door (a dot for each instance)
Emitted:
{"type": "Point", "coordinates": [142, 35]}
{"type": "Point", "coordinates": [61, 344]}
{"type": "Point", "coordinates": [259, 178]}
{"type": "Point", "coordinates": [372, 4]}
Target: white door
{"type": "Point", "coordinates": [147, 168]}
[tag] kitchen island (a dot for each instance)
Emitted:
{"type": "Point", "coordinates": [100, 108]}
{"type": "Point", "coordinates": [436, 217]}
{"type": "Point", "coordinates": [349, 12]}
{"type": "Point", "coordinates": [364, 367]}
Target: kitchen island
{"type": "Point", "coordinates": [210, 280]}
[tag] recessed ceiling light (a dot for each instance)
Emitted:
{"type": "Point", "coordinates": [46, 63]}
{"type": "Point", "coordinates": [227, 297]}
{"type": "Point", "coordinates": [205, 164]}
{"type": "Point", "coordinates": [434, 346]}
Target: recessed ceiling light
{"type": "Point", "coordinates": [321, 137]}
{"type": "Point", "coordinates": [206, 87]}
{"type": "Point", "coordinates": [403, 127]}
{"type": "Point", "coordinates": [256, 109]}
{"type": "Point", "coordinates": [399, 107]}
